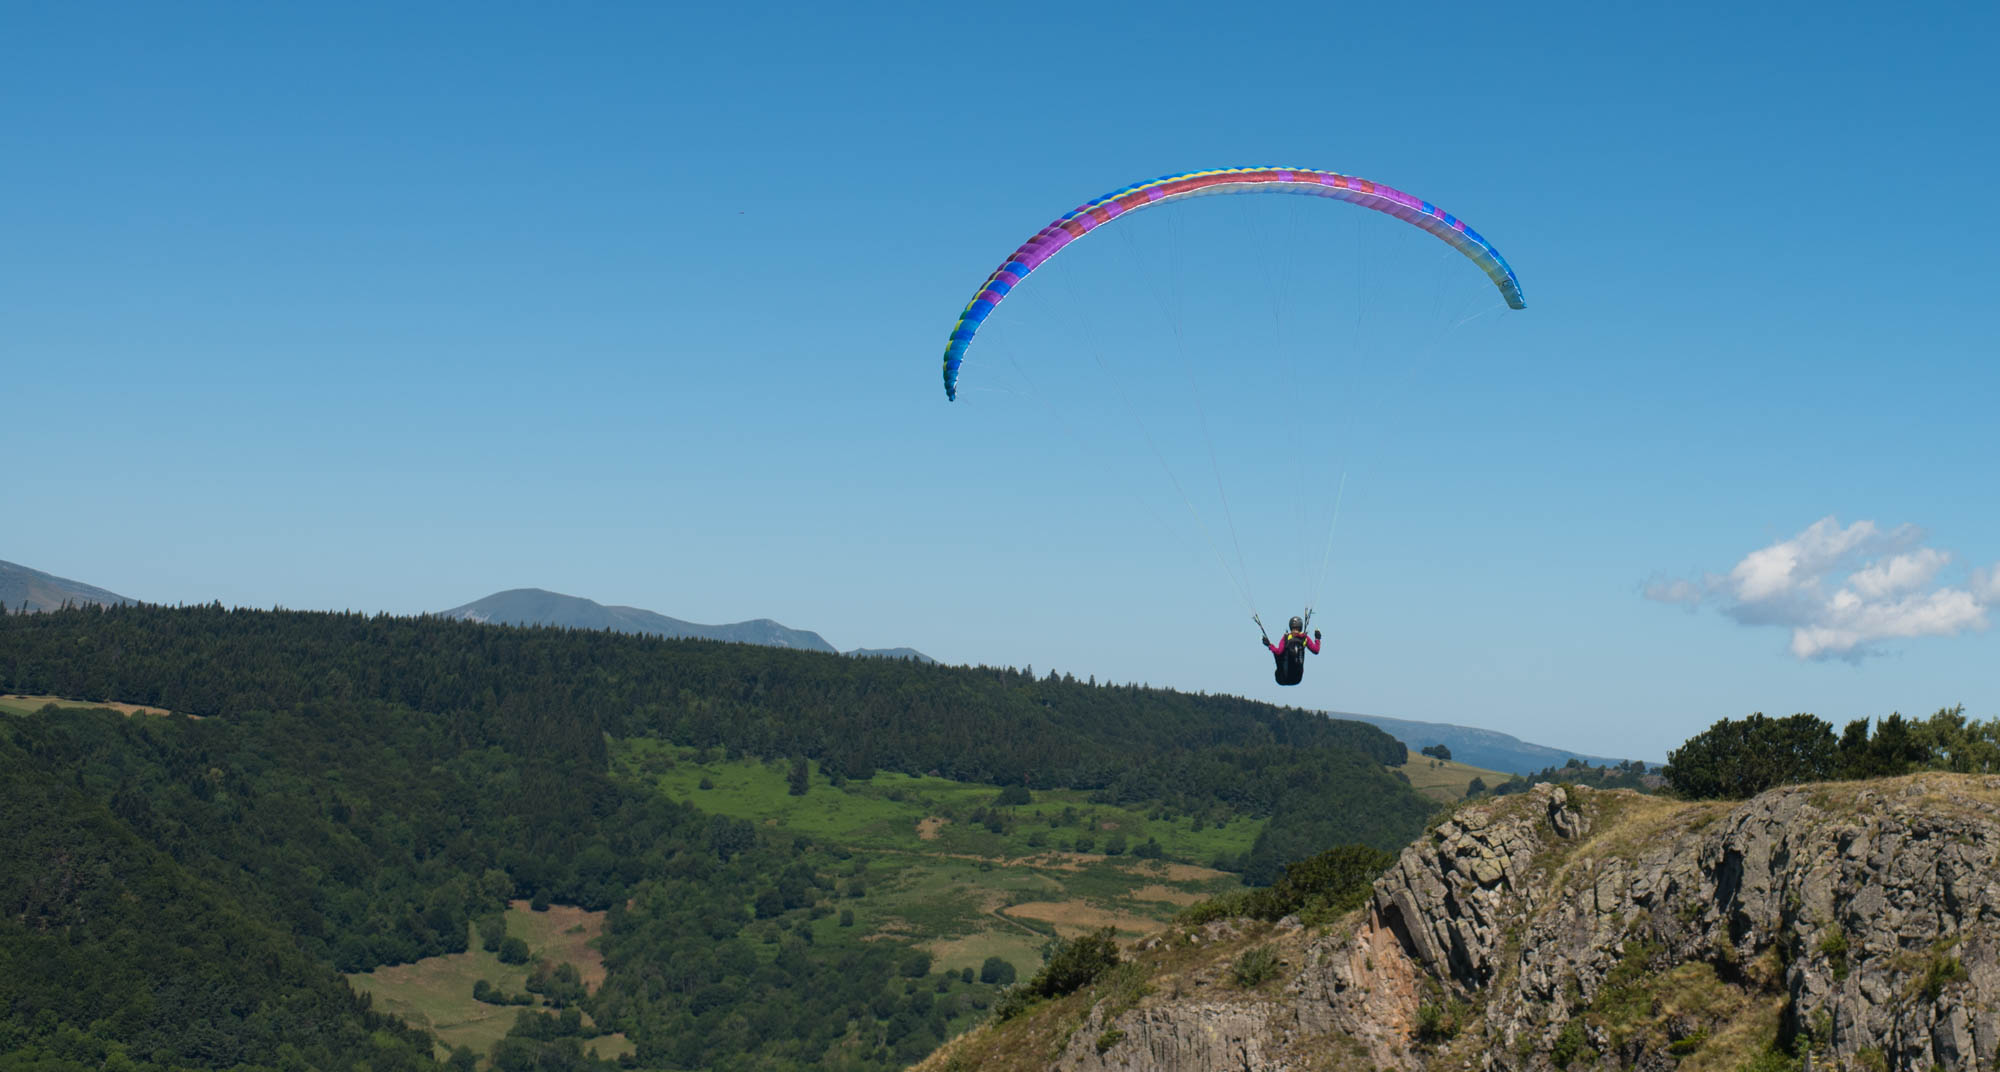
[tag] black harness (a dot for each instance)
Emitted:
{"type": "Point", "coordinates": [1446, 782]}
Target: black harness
{"type": "Point", "coordinates": [1292, 659]}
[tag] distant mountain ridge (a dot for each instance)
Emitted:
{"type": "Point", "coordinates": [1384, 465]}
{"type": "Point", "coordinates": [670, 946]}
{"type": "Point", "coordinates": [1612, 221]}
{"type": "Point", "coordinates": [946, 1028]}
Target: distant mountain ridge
{"type": "Point", "coordinates": [24, 588]}
{"type": "Point", "coordinates": [537, 606]}
{"type": "Point", "coordinates": [1479, 748]}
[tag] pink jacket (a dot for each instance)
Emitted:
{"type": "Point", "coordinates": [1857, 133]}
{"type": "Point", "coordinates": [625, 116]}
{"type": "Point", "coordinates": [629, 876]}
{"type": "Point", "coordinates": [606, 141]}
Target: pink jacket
{"type": "Point", "coordinates": [1278, 648]}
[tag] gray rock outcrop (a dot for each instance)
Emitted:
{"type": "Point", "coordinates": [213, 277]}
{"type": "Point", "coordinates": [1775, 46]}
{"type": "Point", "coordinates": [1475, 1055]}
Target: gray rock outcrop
{"type": "Point", "coordinates": [1848, 925]}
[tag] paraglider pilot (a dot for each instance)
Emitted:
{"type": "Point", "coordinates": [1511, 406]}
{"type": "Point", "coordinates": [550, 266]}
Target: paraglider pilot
{"type": "Point", "coordinates": [1290, 652]}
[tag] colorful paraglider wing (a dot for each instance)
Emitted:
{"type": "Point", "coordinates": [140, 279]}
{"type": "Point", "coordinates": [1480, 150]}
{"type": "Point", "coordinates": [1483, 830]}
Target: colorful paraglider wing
{"type": "Point", "coordinates": [1087, 217]}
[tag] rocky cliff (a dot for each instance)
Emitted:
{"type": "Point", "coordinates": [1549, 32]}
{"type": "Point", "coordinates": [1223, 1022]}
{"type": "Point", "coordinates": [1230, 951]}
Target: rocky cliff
{"type": "Point", "coordinates": [1836, 926]}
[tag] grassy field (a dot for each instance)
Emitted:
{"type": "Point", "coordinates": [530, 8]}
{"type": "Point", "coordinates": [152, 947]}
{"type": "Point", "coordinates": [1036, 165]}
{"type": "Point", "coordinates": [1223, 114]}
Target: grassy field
{"type": "Point", "coordinates": [928, 872]}
{"type": "Point", "coordinates": [932, 861]}
{"type": "Point", "coordinates": [963, 892]}
{"type": "Point", "coordinates": [889, 810]}
{"type": "Point", "coordinates": [1444, 779]}
{"type": "Point", "coordinates": [436, 992]}
{"type": "Point", "coordinates": [28, 705]}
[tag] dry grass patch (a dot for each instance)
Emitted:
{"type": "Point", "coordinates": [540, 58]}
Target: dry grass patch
{"type": "Point", "coordinates": [1071, 918]}
{"type": "Point", "coordinates": [928, 827]}
{"type": "Point", "coordinates": [1019, 948]}
{"type": "Point", "coordinates": [562, 935]}
{"type": "Point", "coordinates": [1446, 780]}
{"type": "Point", "coordinates": [28, 705]}
{"type": "Point", "coordinates": [1181, 872]}
{"type": "Point", "coordinates": [1058, 861]}
{"type": "Point", "coordinates": [610, 1047]}
{"type": "Point", "coordinates": [1954, 791]}
{"type": "Point", "coordinates": [436, 992]}
{"type": "Point", "coordinates": [1624, 824]}
{"type": "Point", "coordinates": [1751, 1034]}
{"type": "Point", "coordinates": [1168, 894]}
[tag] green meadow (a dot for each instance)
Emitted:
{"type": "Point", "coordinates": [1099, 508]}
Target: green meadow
{"type": "Point", "coordinates": [436, 992]}
{"type": "Point", "coordinates": [890, 811]}
{"type": "Point", "coordinates": [941, 863]}
{"type": "Point", "coordinates": [19, 705]}
{"type": "Point", "coordinates": [930, 861]}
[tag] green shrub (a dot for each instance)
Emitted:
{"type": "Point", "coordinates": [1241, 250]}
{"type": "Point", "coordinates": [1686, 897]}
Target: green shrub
{"type": "Point", "coordinates": [1109, 1039]}
{"type": "Point", "coordinates": [1435, 1023]}
{"type": "Point", "coordinates": [1625, 997]}
{"type": "Point", "coordinates": [1319, 889]}
{"type": "Point", "coordinates": [1255, 966]}
{"type": "Point", "coordinates": [487, 993]}
{"type": "Point", "coordinates": [561, 984]}
{"type": "Point", "coordinates": [1570, 1045]}
{"type": "Point", "coordinates": [1221, 906]}
{"type": "Point", "coordinates": [1681, 1047]}
{"type": "Point", "coordinates": [1014, 1001]}
{"type": "Point", "coordinates": [492, 931]}
{"type": "Point", "coordinates": [1774, 1061]}
{"type": "Point", "coordinates": [1834, 945]}
{"type": "Point", "coordinates": [1076, 963]}
{"type": "Point", "coordinates": [1939, 973]}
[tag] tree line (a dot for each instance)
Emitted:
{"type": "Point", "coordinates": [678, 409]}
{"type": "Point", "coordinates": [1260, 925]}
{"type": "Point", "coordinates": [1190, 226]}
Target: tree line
{"type": "Point", "coordinates": [563, 689]}
{"type": "Point", "coordinates": [1737, 758]}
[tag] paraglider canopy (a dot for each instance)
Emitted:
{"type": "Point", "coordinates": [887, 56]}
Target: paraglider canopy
{"type": "Point", "coordinates": [1084, 218]}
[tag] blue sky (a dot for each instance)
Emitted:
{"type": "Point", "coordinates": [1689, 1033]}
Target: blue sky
{"type": "Point", "coordinates": [387, 308]}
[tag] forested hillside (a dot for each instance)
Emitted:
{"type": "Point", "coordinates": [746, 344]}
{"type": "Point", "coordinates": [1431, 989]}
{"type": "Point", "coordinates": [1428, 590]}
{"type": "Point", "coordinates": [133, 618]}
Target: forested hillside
{"type": "Point", "coordinates": [363, 790]}
{"type": "Point", "coordinates": [997, 725]}
{"type": "Point", "coordinates": [114, 956]}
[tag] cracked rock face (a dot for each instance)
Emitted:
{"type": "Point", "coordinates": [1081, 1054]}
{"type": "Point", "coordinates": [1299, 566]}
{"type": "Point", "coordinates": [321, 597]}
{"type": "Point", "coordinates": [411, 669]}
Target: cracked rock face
{"type": "Point", "coordinates": [1863, 918]}
{"type": "Point", "coordinates": [1197, 1034]}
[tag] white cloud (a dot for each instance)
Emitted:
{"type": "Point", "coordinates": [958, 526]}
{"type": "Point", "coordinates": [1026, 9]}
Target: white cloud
{"type": "Point", "coordinates": [1843, 591]}
{"type": "Point", "coordinates": [1898, 573]}
{"type": "Point", "coordinates": [1786, 565]}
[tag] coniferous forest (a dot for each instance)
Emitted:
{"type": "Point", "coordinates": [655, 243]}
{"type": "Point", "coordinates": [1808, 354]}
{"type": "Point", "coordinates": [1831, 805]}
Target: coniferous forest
{"type": "Point", "coordinates": [336, 792]}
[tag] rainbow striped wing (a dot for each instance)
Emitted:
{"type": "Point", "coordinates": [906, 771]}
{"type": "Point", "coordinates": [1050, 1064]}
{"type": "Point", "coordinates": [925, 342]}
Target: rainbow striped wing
{"type": "Point", "coordinates": [1091, 215]}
